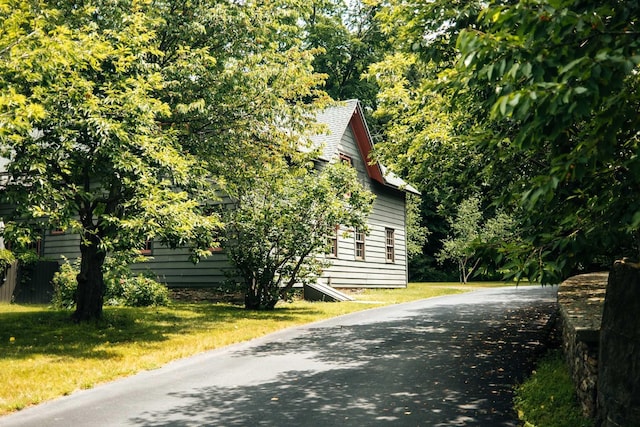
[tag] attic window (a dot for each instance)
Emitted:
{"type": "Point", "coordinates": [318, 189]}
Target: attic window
{"type": "Point", "coordinates": [346, 159]}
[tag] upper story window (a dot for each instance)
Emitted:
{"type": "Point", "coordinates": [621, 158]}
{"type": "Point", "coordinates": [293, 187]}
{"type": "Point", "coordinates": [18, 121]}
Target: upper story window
{"type": "Point", "coordinates": [360, 248]}
{"type": "Point", "coordinates": [390, 245]}
{"type": "Point", "coordinates": [346, 159]}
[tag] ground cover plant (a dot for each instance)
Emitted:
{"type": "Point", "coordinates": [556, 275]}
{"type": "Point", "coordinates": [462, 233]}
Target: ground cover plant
{"type": "Point", "coordinates": [45, 356]}
{"type": "Point", "coordinates": [547, 397]}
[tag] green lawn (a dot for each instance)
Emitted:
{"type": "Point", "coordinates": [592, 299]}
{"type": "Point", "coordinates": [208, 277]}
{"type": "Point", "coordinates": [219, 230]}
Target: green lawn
{"type": "Point", "coordinates": [43, 355]}
{"type": "Point", "coordinates": [547, 398]}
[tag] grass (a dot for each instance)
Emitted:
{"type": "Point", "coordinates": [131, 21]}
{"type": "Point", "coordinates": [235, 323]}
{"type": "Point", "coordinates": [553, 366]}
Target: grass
{"type": "Point", "coordinates": [547, 398]}
{"type": "Point", "coordinates": [44, 356]}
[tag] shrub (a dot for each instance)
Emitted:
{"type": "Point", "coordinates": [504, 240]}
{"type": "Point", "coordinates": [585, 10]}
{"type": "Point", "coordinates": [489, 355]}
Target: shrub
{"type": "Point", "coordinates": [122, 288]}
{"type": "Point", "coordinates": [65, 285]}
{"type": "Point", "coordinates": [6, 258]}
{"type": "Point", "coordinates": [142, 291]}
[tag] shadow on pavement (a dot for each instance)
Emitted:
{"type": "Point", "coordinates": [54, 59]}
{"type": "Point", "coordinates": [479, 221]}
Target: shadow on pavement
{"type": "Point", "coordinates": [441, 366]}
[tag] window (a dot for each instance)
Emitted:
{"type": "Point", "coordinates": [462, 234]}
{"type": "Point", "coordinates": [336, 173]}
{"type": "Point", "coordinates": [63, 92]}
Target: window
{"type": "Point", "coordinates": [390, 245]}
{"type": "Point", "coordinates": [147, 249]}
{"type": "Point", "coordinates": [332, 242]}
{"type": "Point", "coordinates": [35, 246]}
{"type": "Point", "coordinates": [346, 159]}
{"type": "Point", "coordinates": [359, 244]}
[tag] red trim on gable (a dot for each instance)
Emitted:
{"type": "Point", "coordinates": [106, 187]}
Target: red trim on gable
{"type": "Point", "coordinates": [365, 145]}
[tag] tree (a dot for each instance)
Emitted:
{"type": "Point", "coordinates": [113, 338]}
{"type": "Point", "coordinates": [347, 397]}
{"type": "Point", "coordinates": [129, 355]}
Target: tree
{"type": "Point", "coordinates": [348, 40]}
{"type": "Point", "coordinates": [122, 119]}
{"type": "Point", "coordinates": [536, 109]}
{"type": "Point", "coordinates": [81, 129]}
{"type": "Point", "coordinates": [277, 229]}
{"type": "Point", "coordinates": [562, 90]}
{"type": "Point", "coordinates": [419, 126]}
{"type": "Point", "coordinates": [240, 83]}
{"type": "Point", "coordinates": [417, 233]}
{"type": "Point", "coordinates": [470, 230]}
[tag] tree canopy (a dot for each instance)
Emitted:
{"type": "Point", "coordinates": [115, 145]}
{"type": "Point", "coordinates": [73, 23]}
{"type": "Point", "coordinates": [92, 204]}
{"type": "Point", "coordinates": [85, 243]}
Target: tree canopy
{"type": "Point", "coordinates": [470, 229]}
{"type": "Point", "coordinates": [533, 105]}
{"type": "Point", "coordinates": [348, 40]}
{"type": "Point", "coordinates": [118, 118]}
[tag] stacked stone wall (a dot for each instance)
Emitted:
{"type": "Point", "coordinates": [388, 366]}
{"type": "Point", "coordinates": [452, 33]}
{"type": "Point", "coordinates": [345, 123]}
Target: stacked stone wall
{"type": "Point", "coordinates": [582, 359]}
{"type": "Point", "coordinates": [581, 300]}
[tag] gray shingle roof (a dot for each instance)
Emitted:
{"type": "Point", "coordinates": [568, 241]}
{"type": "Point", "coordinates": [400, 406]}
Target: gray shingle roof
{"type": "Point", "coordinates": [337, 119]}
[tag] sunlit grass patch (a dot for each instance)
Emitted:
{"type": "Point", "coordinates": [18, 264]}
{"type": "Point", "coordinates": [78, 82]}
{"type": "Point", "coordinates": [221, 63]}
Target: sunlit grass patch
{"type": "Point", "coordinates": [44, 355]}
{"type": "Point", "coordinates": [421, 290]}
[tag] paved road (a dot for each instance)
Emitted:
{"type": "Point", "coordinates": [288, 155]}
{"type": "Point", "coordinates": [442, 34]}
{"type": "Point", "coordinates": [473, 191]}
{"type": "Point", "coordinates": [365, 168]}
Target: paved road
{"type": "Point", "coordinates": [449, 361]}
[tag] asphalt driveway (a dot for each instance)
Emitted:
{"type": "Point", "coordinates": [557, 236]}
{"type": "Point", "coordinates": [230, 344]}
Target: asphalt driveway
{"type": "Point", "coordinates": [448, 361]}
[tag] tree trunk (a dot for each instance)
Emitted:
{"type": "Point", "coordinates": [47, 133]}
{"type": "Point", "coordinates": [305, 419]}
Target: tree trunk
{"type": "Point", "coordinates": [618, 364]}
{"type": "Point", "coordinates": [258, 297]}
{"type": "Point", "coordinates": [251, 298]}
{"type": "Point", "coordinates": [91, 287]}
{"type": "Point", "coordinates": [252, 295]}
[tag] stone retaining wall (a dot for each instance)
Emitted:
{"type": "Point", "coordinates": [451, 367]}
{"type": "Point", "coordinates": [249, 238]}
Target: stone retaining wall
{"type": "Point", "coordinates": [581, 300]}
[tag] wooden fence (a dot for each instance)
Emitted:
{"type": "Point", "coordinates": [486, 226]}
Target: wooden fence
{"type": "Point", "coordinates": [29, 284]}
{"type": "Point", "coordinates": [8, 282]}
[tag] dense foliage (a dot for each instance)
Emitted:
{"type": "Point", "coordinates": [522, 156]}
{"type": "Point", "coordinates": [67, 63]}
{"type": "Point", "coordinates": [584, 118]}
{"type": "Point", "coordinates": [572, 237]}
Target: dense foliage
{"type": "Point", "coordinates": [122, 287]}
{"type": "Point", "coordinates": [471, 229]}
{"type": "Point", "coordinates": [348, 40]}
{"type": "Point", "coordinates": [534, 106]}
{"type": "Point", "coordinates": [119, 116]}
{"type": "Point", "coordinates": [276, 229]}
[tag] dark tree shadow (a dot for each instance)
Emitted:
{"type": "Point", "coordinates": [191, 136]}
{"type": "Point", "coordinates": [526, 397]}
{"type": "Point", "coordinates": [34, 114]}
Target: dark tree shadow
{"type": "Point", "coordinates": [443, 366]}
{"type": "Point", "coordinates": [52, 333]}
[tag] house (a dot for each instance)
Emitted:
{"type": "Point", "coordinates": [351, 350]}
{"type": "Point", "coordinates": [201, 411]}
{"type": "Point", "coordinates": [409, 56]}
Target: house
{"type": "Point", "coordinates": [378, 259]}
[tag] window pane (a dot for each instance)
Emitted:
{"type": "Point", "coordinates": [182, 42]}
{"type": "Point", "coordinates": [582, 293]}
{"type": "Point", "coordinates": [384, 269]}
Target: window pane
{"type": "Point", "coordinates": [359, 244]}
{"type": "Point", "coordinates": [390, 246]}
{"type": "Point", "coordinates": [333, 242]}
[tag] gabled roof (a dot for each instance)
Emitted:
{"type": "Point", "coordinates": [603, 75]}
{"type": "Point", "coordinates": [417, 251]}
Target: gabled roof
{"type": "Point", "coordinates": [337, 119]}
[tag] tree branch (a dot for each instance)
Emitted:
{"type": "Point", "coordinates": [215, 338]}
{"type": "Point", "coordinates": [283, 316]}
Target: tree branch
{"type": "Point", "coordinates": [17, 42]}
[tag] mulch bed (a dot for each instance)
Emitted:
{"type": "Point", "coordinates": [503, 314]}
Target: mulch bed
{"type": "Point", "coordinates": [211, 295]}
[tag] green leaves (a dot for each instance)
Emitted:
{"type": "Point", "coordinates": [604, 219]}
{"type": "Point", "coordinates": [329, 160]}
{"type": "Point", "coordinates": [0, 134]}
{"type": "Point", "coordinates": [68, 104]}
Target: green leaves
{"type": "Point", "coordinates": [471, 229]}
{"type": "Point", "coordinates": [88, 141]}
{"type": "Point", "coordinates": [538, 111]}
{"type": "Point", "coordinates": [281, 223]}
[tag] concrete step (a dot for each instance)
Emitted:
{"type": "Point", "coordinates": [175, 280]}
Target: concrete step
{"type": "Point", "coordinates": [321, 292]}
